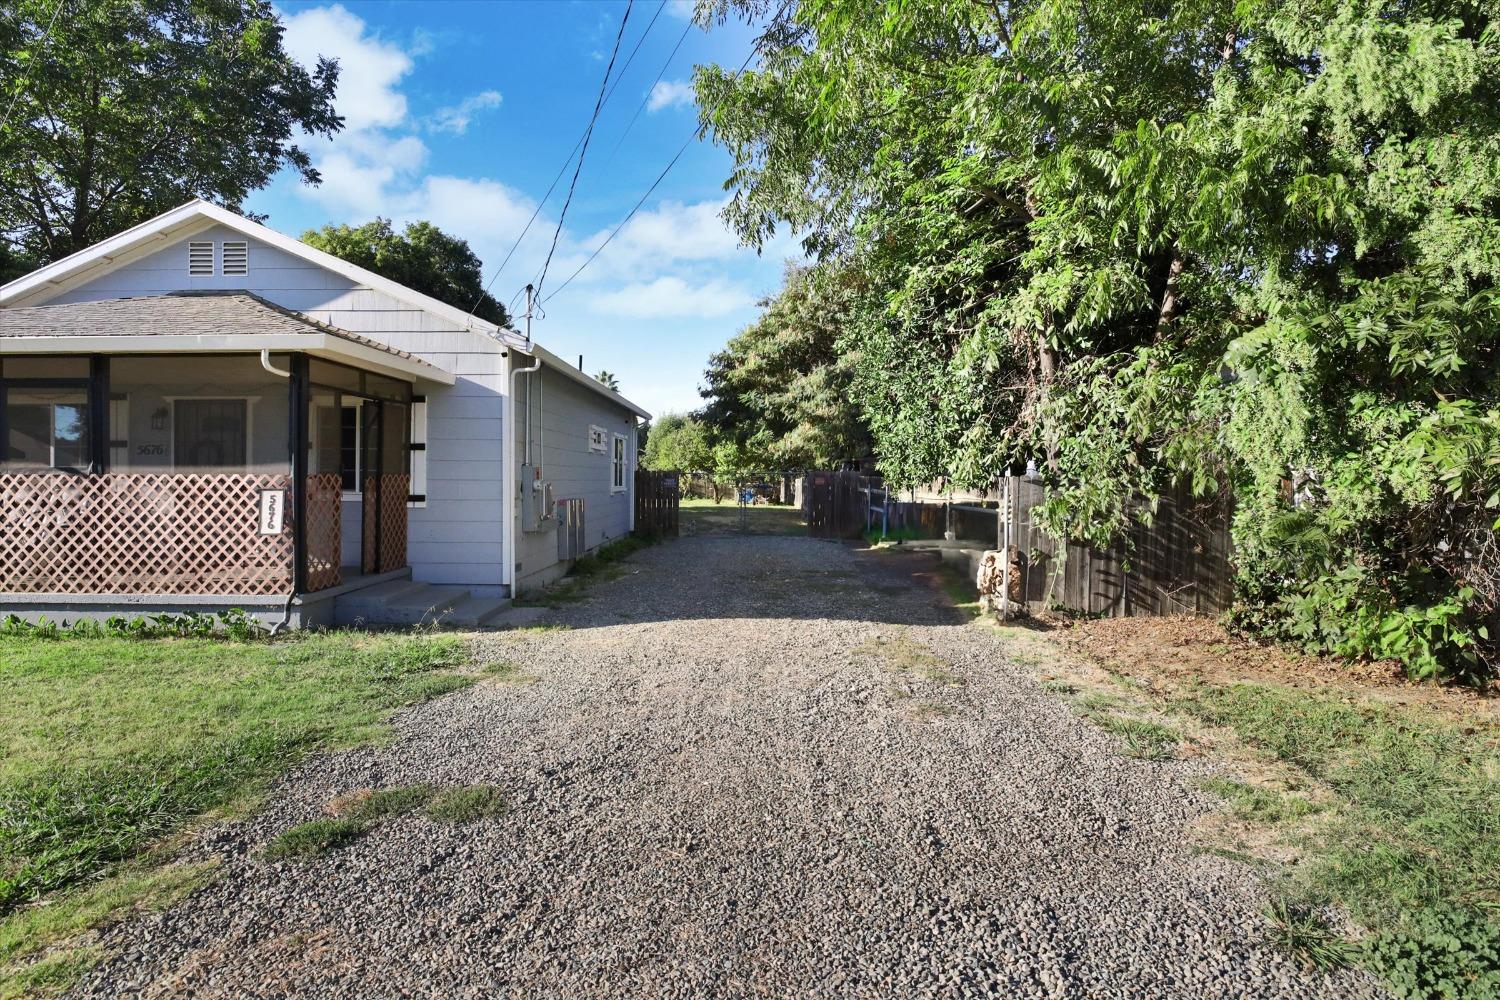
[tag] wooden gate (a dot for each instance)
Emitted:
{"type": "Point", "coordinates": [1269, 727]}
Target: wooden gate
{"type": "Point", "coordinates": [834, 504]}
{"type": "Point", "coordinates": [657, 496]}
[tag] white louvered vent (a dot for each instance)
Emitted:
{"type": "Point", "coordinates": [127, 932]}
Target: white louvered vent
{"type": "Point", "coordinates": [201, 257]}
{"type": "Point", "coordinates": [234, 258]}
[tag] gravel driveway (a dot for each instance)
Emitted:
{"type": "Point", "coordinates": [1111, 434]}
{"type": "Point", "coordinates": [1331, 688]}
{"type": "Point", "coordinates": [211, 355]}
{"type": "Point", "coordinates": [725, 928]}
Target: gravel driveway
{"type": "Point", "coordinates": [750, 767]}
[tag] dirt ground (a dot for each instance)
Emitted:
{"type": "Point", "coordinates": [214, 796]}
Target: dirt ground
{"type": "Point", "coordinates": [1184, 648]}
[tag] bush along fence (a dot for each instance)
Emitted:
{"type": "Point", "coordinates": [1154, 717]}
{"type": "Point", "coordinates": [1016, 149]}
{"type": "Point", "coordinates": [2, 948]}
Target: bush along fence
{"type": "Point", "coordinates": [1176, 562]}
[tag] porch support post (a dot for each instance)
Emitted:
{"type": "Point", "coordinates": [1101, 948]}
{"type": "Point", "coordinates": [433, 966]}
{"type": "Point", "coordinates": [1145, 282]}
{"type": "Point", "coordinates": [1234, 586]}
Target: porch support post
{"type": "Point", "coordinates": [98, 413]}
{"type": "Point", "coordinates": [298, 393]}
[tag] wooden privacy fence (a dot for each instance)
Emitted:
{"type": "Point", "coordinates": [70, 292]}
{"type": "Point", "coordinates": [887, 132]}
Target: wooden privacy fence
{"type": "Point", "coordinates": [834, 505]}
{"type": "Point", "coordinates": [1179, 563]}
{"type": "Point", "coordinates": [658, 497]}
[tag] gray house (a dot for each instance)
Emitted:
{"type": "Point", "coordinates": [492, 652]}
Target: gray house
{"type": "Point", "coordinates": [202, 413]}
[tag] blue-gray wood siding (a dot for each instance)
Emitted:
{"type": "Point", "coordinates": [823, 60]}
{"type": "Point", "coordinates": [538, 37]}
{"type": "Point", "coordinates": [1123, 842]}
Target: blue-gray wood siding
{"type": "Point", "coordinates": [562, 413]}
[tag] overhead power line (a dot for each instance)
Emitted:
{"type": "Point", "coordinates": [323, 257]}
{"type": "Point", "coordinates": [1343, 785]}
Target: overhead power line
{"type": "Point", "coordinates": [41, 50]}
{"type": "Point", "coordinates": [659, 177]}
{"type": "Point", "coordinates": [649, 91]}
{"type": "Point", "coordinates": [574, 152]}
{"type": "Point", "coordinates": [584, 152]}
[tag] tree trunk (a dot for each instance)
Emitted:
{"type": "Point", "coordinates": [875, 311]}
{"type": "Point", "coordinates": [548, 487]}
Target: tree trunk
{"type": "Point", "coordinates": [1170, 304]}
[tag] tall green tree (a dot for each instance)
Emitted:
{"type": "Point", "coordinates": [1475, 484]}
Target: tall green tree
{"type": "Point", "coordinates": [784, 380]}
{"type": "Point", "coordinates": [117, 110]}
{"type": "Point", "coordinates": [1250, 247]}
{"type": "Point", "coordinates": [678, 443]}
{"type": "Point", "coordinates": [422, 257]}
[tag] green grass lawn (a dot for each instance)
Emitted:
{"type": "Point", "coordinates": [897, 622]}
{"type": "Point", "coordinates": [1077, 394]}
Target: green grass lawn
{"type": "Point", "coordinates": [704, 517]}
{"type": "Point", "coordinates": [110, 746]}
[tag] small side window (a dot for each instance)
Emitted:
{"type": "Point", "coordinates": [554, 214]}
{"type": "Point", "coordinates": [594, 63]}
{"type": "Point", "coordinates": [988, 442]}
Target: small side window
{"type": "Point", "coordinates": [617, 483]}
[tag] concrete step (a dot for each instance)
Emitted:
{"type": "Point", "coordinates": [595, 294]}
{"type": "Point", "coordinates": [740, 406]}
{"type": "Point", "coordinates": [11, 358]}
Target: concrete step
{"type": "Point", "coordinates": [398, 602]}
{"type": "Point", "coordinates": [474, 611]}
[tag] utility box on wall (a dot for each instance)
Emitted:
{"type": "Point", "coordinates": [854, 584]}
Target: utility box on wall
{"type": "Point", "coordinates": [536, 500]}
{"type": "Point", "coordinates": [571, 541]}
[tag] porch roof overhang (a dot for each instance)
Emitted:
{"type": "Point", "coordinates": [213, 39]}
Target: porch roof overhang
{"type": "Point", "coordinates": [193, 323]}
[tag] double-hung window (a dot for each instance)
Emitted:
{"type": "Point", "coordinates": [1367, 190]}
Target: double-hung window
{"type": "Point", "coordinates": [617, 480]}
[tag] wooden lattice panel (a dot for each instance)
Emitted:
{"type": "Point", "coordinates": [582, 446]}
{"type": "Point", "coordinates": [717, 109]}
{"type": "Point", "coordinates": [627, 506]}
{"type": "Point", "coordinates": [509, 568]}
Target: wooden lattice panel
{"type": "Point", "coordinates": [140, 534]}
{"type": "Point", "coordinates": [324, 531]}
{"type": "Point", "coordinates": [384, 504]}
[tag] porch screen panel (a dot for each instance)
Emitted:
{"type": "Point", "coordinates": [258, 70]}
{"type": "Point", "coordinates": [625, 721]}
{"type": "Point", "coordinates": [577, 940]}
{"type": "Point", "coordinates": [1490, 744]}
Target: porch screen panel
{"type": "Point", "coordinates": [44, 413]}
{"type": "Point", "coordinates": [205, 413]}
{"type": "Point", "coordinates": [210, 433]}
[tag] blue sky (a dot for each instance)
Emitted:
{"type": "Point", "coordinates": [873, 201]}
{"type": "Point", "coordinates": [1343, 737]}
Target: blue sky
{"type": "Point", "coordinates": [462, 113]}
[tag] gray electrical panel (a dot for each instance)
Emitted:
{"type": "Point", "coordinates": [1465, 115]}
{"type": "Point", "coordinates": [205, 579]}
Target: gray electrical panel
{"type": "Point", "coordinates": [536, 501]}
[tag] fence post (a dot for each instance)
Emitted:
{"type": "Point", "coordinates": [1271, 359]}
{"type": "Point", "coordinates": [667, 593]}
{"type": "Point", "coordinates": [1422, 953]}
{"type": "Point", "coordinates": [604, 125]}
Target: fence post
{"type": "Point", "coordinates": [1003, 533]}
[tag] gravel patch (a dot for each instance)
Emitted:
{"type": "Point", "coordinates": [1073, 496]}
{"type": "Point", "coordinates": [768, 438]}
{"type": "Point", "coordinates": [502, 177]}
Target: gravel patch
{"type": "Point", "coordinates": [750, 766]}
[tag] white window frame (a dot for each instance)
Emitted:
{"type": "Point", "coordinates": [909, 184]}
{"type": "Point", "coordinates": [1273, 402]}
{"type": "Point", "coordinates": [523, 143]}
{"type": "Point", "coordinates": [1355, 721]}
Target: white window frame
{"type": "Point", "coordinates": [52, 424]}
{"type": "Point", "coordinates": [417, 462]}
{"type": "Point", "coordinates": [250, 402]}
{"type": "Point", "coordinates": [619, 459]}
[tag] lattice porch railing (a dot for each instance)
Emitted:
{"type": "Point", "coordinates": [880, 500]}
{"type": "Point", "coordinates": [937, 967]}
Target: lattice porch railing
{"type": "Point", "coordinates": [384, 513]}
{"type": "Point", "coordinates": [120, 533]}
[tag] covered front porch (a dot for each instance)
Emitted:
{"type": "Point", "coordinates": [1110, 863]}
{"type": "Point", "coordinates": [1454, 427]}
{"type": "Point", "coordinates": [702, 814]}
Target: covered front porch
{"type": "Point", "coordinates": [209, 450]}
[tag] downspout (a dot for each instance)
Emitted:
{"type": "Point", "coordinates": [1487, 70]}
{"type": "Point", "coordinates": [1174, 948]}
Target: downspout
{"type": "Point", "coordinates": [286, 612]}
{"type": "Point", "coordinates": [265, 362]}
{"type": "Point", "coordinates": [509, 481]}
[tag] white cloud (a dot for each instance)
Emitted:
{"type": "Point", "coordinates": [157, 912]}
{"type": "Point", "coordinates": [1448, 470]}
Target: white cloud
{"type": "Point", "coordinates": [456, 119]}
{"type": "Point", "coordinates": [671, 297]}
{"type": "Point", "coordinates": [370, 70]}
{"type": "Point", "coordinates": [670, 94]}
{"type": "Point", "coordinates": [681, 9]}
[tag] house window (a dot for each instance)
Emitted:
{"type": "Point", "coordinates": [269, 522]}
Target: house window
{"type": "Point", "coordinates": [210, 433]}
{"type": "Point", "coordinates": [596, 439]}
{"type": "Point", "coordinates": [46, 429]}
{"type": "Point", "coordinates": [617, 483]}
{"type": "Point", "coordinates": [349, 448]}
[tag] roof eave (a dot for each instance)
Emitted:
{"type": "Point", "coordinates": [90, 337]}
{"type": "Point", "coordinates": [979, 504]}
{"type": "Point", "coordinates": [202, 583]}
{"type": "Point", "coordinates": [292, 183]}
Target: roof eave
{"type": "Point", "coordinates": [313, 342]}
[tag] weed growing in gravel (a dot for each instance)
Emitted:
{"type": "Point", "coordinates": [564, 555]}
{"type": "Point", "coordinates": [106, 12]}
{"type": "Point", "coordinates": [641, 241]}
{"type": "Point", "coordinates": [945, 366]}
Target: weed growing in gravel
{"type": "Point", "coordinates": [601, 564]}
{"type": "Point", "coordinates": [388, 803]}
{"type": "Point", "coordinates": [507, 672]}
{"type": "Point", "coordinates": [1143, 738]}
{"type": "Point", "coordinates": [314, 837]}
{"type": "Point", "coordinates": [1299, 930]}
{"type": "Point", "coordinates": [467, 804]}
{"type": "Point", "coordinates": [928, 711]}
{"type": "Point", "coordinates": [904, 655]}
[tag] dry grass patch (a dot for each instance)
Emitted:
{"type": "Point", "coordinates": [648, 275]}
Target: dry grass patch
{"type": "Point", "coordinates": [903, 655]}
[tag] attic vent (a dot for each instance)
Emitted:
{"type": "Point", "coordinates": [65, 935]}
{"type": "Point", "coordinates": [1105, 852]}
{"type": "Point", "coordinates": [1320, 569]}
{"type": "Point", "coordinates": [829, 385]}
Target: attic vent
{"type": "Point", "coordinates": [200, 258]}
{"type": "Point", "coordinates": [235, 259]}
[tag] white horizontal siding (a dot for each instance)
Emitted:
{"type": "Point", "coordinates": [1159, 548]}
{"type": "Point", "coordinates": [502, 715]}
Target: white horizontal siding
{"type": "Point", "coordinates": [562, 414]}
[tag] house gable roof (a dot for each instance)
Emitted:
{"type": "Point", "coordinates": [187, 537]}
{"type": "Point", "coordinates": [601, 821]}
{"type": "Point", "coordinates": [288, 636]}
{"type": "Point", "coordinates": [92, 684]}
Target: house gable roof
{"type": "Point", "coordinates": [53, 279]}
{"type": "Point", "coordinates": [196, 321]}
{"type": "Point", "coordinates": [47, 282]}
